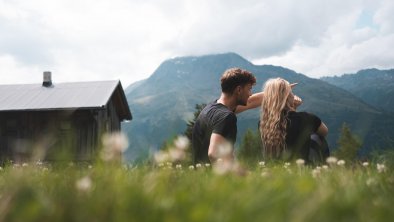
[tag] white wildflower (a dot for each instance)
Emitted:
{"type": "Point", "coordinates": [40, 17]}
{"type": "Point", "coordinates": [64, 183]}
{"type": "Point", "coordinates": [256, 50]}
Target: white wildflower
{"type": "Point", "coordinates": [222, 167]}
{"type": "Point", "coordinates": [191, 167]}
{"type": "Point", "coordinates": [300, 162]}
{"type": "Point", "coordinates": [315, 173]}
{"type": "Point", "coordinates": [115, 141]}
{"type": "Point", "coordinates": [181, 142]}
{"type": "Point", "coordinates": [25, 164]}
{"type": "Point", "coordinates": [371, 182]}
{"type": "Point", "coordinates": [287, 164]}
{"type": "Point", "coordinates": [325, 167]}
{"type": "Point", "coordinates": [176, 154]}
{"type": "Point", "coordinates": [262, 164]}
{"type": "Point", "coordinates": [198, 165]}
{"type": "Point", "coordinates": [331, 160]}
{"type": "Point", "coordinates": [224, 150]}
{"type": "Point", "coordinates": [318, 168]}
{"type": "Point", "coordinates": [84, 184]}
{"type": "Point", "coordinates": [161, 157]}
{"type": "Point", "coordinates": [381, 168]}
{"type": "Point", "coordinates": [365, 164]}
{"type": "Point", "coordinates": [207, 165]}
{"type": "Point", "coordinates": [1, 168]}
{"type": "Point", "coordinates": [178, 166]}
{"type": "Point", "coordinates": [90, 167]}
{"type": "Point", "coordinates": [265, 174]}
{"type": "Point", "coordinates": [39, 163]}
{"type": "Point", "coordinates": [341, 163]}
{"type": "Point", "coordinates": [114, 145]}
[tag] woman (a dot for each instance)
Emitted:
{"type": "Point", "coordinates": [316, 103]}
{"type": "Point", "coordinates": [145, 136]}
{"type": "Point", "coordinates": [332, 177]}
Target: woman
{"type": "Point", "coordinates": [285, 133]}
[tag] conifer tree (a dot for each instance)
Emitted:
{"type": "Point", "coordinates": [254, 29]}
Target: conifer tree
{"type": "Point", "coordinates": [348, 144]}
{"type": "Point", "coordinates": [190, 124]}
{"type": "Point", "coordinates": [250, 148]}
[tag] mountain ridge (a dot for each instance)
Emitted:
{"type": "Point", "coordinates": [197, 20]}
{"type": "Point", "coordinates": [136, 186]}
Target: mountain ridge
{"type": "Point", "coordinates": [164, 102]}
{"type": "Point", "coordinates": [373, 86]}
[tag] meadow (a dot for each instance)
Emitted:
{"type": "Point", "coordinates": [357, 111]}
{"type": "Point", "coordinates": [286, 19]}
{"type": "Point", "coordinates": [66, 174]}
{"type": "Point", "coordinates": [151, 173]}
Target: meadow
{"type": "Point", "coordinates": [111, 191]}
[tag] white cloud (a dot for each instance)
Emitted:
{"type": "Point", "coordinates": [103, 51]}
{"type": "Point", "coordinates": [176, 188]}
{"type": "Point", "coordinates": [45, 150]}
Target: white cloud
{"type": "Point", "coordinates": [343, 47]}
{"type": "Point", "coordinates": [12, 72]}
{"type": "Point", "coordinates": [128, 39]}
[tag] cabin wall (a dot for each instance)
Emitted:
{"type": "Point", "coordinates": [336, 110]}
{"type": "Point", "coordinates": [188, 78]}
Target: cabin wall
{"type": "Point", "coordinates": [113, 118]}
{"type": "Point", "coordinates": [108, 120]}
{"type": "Point", "coordinates": [48, 135]}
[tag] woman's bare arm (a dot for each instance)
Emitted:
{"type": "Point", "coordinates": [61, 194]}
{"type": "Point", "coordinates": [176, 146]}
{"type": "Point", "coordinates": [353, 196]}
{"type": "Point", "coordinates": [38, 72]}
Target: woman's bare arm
{"type": "Point", "coordinates": [254, 101]}
{"type": "Point", "coordinates": [322, 130]}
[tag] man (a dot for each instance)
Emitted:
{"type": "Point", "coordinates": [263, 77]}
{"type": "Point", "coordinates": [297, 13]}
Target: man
{"type": "Point", "coordinates": [215, 130]}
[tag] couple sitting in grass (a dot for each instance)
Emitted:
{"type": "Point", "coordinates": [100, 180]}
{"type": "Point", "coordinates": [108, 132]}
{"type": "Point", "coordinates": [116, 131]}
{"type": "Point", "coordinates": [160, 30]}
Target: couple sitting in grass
{"type": "Point", "coordinates": [285, 133]}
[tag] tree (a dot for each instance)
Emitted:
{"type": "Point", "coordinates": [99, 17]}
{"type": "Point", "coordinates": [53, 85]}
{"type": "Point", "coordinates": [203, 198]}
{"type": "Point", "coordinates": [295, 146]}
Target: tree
{"type": "Point", "coordinates": [250, 149]}
{"type": "Point", "coordinates": [348, 144]}
{"type": "Point", "coordinates": [190, 124]}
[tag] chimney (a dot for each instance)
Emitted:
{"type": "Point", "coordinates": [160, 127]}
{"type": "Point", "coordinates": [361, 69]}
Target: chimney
{"type": "Point", "coordinates": [47, 82]}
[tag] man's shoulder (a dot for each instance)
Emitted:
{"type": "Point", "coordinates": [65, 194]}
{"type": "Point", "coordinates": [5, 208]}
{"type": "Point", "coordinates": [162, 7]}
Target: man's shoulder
{"type": "Point", "coordinates": [217, 111]}
{"type": "Point", "coordinates": [217, 108]}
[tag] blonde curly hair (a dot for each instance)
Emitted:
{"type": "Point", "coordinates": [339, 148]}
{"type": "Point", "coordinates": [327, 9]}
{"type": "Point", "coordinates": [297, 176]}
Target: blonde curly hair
{"type": "Point", "coordinates": [278, 100]}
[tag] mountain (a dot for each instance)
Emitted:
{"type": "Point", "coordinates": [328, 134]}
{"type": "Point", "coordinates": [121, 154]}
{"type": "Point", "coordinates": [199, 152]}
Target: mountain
{"type": "Point", "coordinates": [163, 103]}
{"type": "Point", "coordinates": [375, 87]}
{"type": "Point", "coordinates": [134, 85]}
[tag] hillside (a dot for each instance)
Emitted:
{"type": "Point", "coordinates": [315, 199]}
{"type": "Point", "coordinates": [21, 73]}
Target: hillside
{"type": "Point", "coordinates": [375, 87]}
{"type": "Point", "coordinates": [163, 103]}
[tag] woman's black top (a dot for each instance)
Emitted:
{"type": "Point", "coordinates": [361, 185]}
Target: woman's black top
{"type": "Point", "coordinates": [300, 126]}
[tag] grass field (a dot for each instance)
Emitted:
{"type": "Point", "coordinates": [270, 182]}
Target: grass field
{"type": "Point", "coordinates": [263, 192]}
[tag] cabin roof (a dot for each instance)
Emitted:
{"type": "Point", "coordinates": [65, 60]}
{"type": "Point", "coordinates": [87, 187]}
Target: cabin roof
{"type": "Point", "coordinates": [64, 96]}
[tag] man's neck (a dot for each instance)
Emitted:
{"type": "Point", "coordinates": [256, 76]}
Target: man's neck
{"type": "Point", "coordinates": [228, 101]}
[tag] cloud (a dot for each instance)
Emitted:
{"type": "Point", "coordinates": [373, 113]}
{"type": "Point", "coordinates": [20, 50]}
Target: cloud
{"type": "Point", "coordinates": [13, 72]}
{"type": "Point", "coordinates": [128, 39]}
{"type": "Point", "coordinates": [257, 28]}
{"type": "Point", "coordinates": [345, 47]}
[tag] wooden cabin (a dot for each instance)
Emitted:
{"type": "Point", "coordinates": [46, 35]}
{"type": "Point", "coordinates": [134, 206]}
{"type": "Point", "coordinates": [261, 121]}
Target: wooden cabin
{"type": "Point", "coordinates": [40, 121]}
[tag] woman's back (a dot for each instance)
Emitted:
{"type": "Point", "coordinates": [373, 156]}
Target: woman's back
{"type": "Point", "coordinates": [300, 127]}
{"type": "Point", "coordinates": [285, 133]}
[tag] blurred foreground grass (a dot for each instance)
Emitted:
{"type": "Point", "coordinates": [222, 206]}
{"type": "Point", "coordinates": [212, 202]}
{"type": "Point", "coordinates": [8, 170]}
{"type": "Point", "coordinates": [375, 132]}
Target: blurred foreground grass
{"type": "Point", "coordinates": [269, 192]}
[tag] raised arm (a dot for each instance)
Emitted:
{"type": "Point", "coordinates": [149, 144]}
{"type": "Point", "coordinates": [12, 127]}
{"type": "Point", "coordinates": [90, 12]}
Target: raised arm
{"type": "Point", "coordinates": [254, 101]}
{"type": "Point", "coordinates": [297, 101]}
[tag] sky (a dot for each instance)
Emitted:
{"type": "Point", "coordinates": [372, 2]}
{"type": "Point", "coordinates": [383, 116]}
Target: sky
{"type": "Point", "coordinates": [94, 40]}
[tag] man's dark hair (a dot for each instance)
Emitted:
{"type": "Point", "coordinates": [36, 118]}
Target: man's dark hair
{"type": "Point", "coordinates": [234, 77]}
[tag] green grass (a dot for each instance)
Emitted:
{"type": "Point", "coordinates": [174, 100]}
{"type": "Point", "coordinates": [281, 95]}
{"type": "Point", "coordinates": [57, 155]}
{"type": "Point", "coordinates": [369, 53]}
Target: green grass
{"type": "Point", "coordinates": [148, 193]}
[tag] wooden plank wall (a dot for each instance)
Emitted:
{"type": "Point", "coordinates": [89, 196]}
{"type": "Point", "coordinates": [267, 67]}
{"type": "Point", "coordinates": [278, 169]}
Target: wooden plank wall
{"type": "Point", "coordinates": [45, 134]}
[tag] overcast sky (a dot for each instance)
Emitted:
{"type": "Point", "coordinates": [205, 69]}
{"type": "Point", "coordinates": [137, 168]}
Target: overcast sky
{"type": "Point", "coordinates": [87, 40]}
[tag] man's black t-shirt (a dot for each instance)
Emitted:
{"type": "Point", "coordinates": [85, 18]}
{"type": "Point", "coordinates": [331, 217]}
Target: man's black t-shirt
{"type": "Point", "coordinates": [214, 118]}
{"type": "Point", "coordinates": [300, 126]}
